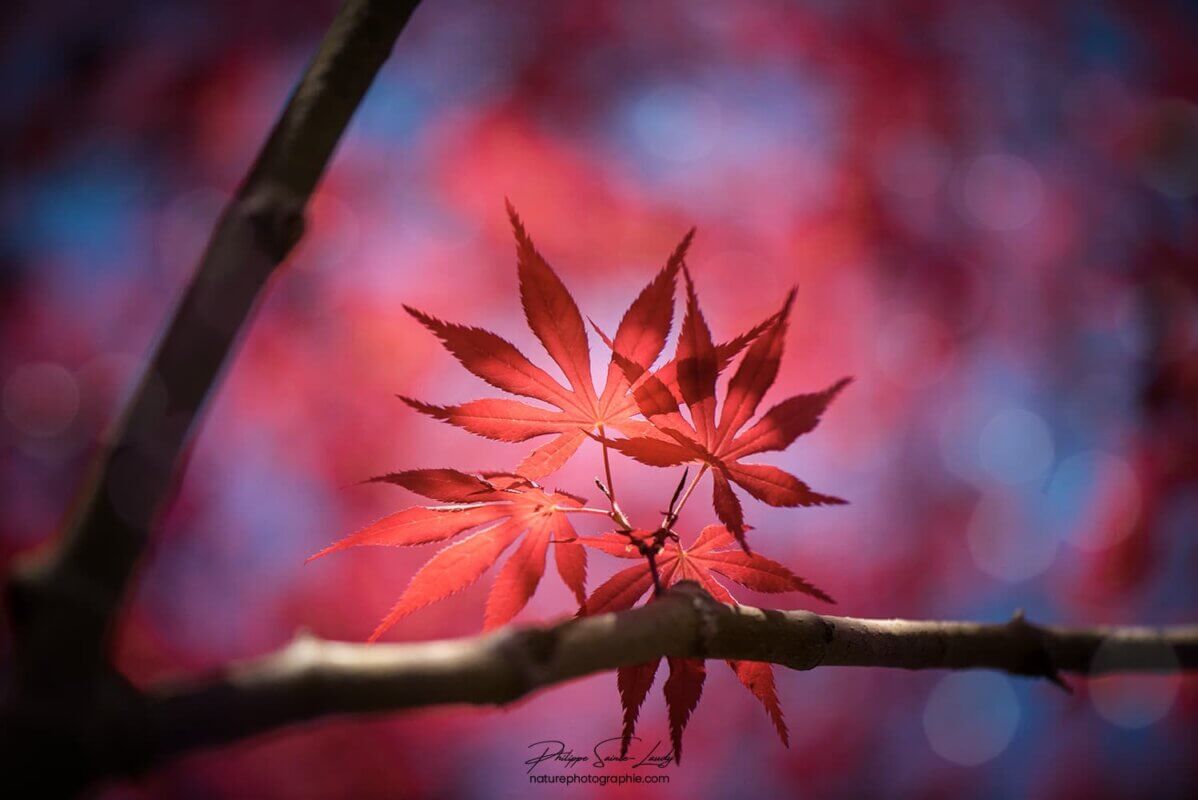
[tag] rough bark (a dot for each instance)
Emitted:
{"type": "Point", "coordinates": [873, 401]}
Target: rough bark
{"type": "Point", "coordinates": [312, 678]}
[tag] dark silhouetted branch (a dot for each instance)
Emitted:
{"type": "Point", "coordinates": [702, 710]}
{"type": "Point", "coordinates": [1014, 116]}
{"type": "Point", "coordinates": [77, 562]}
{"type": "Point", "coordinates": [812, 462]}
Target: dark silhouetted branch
{"type": "Point", "coordinates": [63, 603]}
{"type": "Point", "coordinates": [74, 591]}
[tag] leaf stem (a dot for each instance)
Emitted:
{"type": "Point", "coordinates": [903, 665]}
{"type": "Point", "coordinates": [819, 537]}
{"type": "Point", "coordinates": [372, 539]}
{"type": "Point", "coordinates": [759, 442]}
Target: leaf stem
{"type": "Point", "coordinates": [585, 510]}
{"type": "Point", "coordinates": [611, 486]}
{"type": "Point", "coordinates": [617, 514]}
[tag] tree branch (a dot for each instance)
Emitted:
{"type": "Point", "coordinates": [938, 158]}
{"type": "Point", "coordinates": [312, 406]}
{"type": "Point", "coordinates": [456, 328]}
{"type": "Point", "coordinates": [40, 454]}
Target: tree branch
{"type": "Point", "coordinates": [63, 605]}
{"type": "Point", "coordinates": [63, 701]}
{"type": "Point", "coordinates": [312, 678]}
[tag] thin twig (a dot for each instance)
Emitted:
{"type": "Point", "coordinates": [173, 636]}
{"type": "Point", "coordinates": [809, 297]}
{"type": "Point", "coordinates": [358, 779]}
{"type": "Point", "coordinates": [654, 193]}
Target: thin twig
{"type": "Point", "coordinates": [650, 554]}
{"type": "Point", "coordinates": [676, 508]}
{"type": "Point", "coordinates": [616, 513]}
{"type": "Point", "coordinates": [669, 512]}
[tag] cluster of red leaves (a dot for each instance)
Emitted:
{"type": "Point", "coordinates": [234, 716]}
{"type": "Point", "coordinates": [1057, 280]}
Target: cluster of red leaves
{"type": "Point", "coordinates": [504, 506]}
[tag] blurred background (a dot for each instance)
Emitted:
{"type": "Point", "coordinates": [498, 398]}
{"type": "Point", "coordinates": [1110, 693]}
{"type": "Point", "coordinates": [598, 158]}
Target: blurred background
{"type": "Point", "coordinates": [989, 210]}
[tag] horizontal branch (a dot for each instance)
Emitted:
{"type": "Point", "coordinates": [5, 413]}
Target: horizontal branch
{"type": "Point", "coordinates": [312, 678]}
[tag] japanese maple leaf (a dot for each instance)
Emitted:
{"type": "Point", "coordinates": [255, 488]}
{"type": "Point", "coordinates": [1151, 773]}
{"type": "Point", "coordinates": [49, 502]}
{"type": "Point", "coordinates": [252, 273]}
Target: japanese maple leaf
{"type": "Point", "coordinates": [503, 507]}
{"type": "Point", "coordinates": [555, 319]}
{"type": "Point", "coordinates": [721, 445]}
{"type": "Point", "coordinates": [712, 554]}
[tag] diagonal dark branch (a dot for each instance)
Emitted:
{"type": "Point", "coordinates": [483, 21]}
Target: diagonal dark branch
{"type": "Point", "coordinates": [63, 605]}
{"type": "Point", "coordinates": [63, 702]}
{"type": "Point", "coordinates": [312, 678]}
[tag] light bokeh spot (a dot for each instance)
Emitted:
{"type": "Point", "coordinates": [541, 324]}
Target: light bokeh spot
{"type": "Point", "coordinates": [1001, 192]}
{"type": "Point", "coordinates": [1016, 446]}
{"type": "Point", "coordinates": [971, 717]}
{"type": "Point", "coordinates": [1006, 544]}
{"type": "Point", "coordinates": [677, 123]}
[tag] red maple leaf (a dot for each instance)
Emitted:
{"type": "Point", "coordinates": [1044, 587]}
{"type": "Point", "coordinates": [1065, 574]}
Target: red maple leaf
{"type": "Point", "coordinates": [720, 446]}
{"type": "Point", "coordinates": [554, 317]}
{"type": "Point", "coordinates": [711, 554]}
{"type": "Point", "coordinates": [508, 506]}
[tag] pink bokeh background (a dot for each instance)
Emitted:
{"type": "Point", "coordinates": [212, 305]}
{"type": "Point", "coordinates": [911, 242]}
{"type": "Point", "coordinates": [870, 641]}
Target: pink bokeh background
{"type": "Point", "coordinates": [988, 209]}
